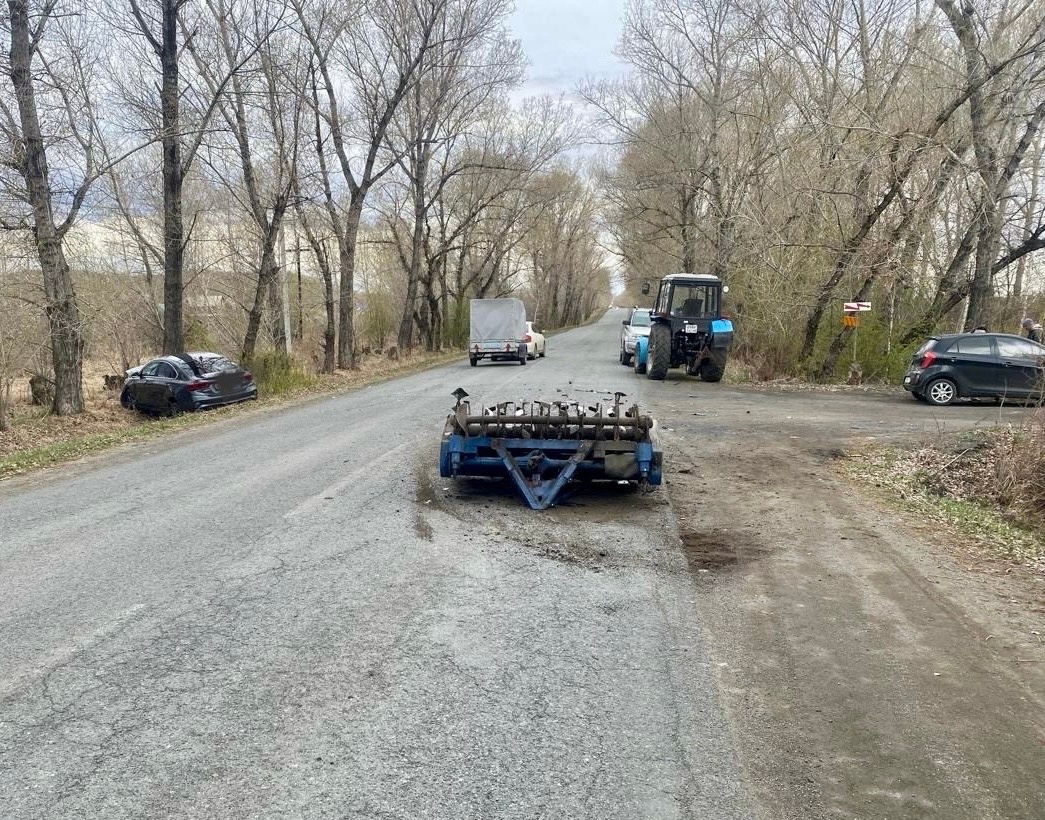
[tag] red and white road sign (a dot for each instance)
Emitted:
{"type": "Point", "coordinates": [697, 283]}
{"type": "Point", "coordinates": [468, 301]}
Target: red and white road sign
{"type": "Point", "coordinates": [856, 307]}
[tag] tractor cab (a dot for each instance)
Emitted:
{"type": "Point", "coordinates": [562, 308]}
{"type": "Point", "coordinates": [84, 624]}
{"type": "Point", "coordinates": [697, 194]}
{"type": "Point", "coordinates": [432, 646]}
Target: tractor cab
{"type": "Point", "coordinates": [689, 297]}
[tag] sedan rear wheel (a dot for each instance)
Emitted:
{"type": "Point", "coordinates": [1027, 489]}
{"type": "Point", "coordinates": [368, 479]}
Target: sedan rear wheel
{"type": "Point", "coordinates": [940, 392]}
{"type": "Point", "coordinates": [126, 399]}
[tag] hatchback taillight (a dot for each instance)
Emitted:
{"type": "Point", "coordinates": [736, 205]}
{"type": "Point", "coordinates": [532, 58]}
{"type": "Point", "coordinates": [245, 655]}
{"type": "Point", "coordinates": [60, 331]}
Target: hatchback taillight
{"type": "Point", "coordinates": [927, 360]}
{"type": "Point", "coordinates": [192, 387]}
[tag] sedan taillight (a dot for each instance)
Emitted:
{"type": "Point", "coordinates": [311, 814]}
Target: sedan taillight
{"type": "Point", "coordinates": [192, 387]}
{"type": "Point", "coordinates": [248, 377]}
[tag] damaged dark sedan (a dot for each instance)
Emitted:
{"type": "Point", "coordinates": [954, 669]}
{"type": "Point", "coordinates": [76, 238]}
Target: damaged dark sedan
{"type": "Point", "coordinates": [186, 381]}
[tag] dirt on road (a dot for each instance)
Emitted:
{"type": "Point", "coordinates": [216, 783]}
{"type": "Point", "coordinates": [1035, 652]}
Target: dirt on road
{"type": "Point", "coordinates": [870, 668]}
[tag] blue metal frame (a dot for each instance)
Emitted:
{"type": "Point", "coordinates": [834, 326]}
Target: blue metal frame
{"type": "Point", "coordinates": [529, 460]}
{"type": "Point", "coordinates": [641, 349]}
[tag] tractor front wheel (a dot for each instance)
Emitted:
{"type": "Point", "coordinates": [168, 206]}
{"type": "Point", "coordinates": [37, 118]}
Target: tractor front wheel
{"type": "Point", "coordinates": [658, 356]}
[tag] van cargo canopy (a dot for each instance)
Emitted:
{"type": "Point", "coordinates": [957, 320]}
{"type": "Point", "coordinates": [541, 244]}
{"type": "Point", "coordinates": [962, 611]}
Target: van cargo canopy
{"type": "Point", "coordinates": [498, 320]}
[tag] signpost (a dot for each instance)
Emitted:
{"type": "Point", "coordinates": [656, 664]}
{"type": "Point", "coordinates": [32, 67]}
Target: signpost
{"type": "Point", "coordinates": [851, 319]}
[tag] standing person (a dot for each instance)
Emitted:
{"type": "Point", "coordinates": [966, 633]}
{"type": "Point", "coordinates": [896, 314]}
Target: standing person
{"type": "Point", "coordinates": [1034, 331]}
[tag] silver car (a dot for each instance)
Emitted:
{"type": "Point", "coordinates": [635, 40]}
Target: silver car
{"type": "Point", "coordinates": [637, 324]}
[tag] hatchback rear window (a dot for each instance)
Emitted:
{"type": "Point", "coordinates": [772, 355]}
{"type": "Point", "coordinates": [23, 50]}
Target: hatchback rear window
{"type": "Point", "coordinates": [928, 345]}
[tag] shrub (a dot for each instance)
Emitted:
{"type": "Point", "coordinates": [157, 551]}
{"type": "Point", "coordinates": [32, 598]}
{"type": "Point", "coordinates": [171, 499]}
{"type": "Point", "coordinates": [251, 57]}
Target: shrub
{"type": "Point", "coordinates": [1021, 469]}
{"type": "Point", "coordinates": [277, 374]}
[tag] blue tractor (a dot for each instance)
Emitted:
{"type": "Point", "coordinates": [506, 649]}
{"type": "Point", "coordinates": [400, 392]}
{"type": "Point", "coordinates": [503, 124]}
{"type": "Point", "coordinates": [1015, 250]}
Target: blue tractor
{"type": "Point", "coordinates": [687, 329]}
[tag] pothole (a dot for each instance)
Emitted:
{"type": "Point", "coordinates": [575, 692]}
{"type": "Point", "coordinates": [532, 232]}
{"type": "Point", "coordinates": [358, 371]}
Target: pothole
{"type": "Point", "coordinates": [719, 549]}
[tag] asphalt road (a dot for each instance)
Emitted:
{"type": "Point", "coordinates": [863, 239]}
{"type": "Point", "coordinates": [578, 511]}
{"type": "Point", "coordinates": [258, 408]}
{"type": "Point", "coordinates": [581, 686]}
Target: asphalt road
{"type": "Point", "coordinates": [291, 615]}
{"type": "Point", "coordinates": [294, 617]}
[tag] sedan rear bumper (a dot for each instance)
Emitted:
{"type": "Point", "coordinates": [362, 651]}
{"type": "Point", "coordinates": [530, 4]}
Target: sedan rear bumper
{"type": "Point", "coordinates": [630, 342]}
{"type": "Point", "coordinates": [201, 400]}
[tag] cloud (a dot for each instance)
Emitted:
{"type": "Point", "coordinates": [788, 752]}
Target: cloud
{"type": "Point", "coordinates": [567, 41]}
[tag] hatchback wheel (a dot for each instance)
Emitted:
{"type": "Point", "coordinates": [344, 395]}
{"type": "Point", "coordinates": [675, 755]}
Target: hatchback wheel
{"type": "Point", "coordinates": [941, 391]}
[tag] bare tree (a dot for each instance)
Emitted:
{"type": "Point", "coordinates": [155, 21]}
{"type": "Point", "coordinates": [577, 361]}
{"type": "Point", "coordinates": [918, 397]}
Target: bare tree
{"type": "Point", "coordinates": [367, 57]}
{"type": "Point", "coordinates": [697, 112]}
{"type": "Point", "coordinates": [261, 110]}
{"type": "Point", "coordinates": [995, 167]}
{"type": "Point", "coordinates": [50, 70]}
{"type": "Point", "coordinates": [164, 27]}
{"type": "Point", "coordinates": [483, 204]}
{"type": "Point", "coordinates": [471, 62]}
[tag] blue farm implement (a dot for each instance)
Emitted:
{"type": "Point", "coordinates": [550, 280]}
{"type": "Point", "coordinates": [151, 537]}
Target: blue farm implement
{"type": "Point", "coordinates": [543, 446]}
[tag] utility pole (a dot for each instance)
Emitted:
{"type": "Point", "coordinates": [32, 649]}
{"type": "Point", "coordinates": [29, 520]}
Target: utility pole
{"type": "Point", "coordinates": [301, 303]}
{"type": "Point", "coordinates": [283, 282]}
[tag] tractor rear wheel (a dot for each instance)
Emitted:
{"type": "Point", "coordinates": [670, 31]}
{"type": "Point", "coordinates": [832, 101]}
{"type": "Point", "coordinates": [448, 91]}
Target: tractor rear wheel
{"type": "Point", "coordinates": [658, 355]}
{"type": "Point", "coordinates": [713, 367]}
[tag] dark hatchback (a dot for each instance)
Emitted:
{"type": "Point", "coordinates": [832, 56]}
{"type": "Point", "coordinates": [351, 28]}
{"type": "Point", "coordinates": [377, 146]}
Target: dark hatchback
{"type": "Point", "coordinates": [186, 381]}
{"type": "Point", "coordinates": [976, 365]}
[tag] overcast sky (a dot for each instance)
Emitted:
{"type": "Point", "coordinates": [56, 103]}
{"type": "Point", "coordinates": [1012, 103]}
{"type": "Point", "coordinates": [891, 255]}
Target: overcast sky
{"type": "Point", "coordinates": [567, 40]}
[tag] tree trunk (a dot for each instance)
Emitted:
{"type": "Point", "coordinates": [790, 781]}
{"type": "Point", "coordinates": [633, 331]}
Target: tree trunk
{"type": "Point", "coordinates": [5, 425]}
{"type": "Point", "coordinates": [688, 230]}
{"type": "Point", "coordinates": [330, 329]}
{"type": "Point", "coordinates": [444, 300]}
{"type": "Point", "coordinates": [319, 250]}
{"type": "Point", "coordinates": [173, 177]}
{"type": "Point", "coordinates": [266, 277]}
{"type": "Point", "coordinates": [406, 325]}
{"type": "Point", "coordinates": [63, 314]}
{"type": "Point", "coordinates": [346, 354]}
{"type": "Point", "coordinates": [276, 311]}
{"type": "Point", "coordinates": [406, 322]}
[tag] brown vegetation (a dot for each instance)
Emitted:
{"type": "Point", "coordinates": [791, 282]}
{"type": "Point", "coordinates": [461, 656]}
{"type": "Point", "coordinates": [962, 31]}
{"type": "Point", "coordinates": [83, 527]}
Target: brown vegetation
{"type": "Point", "coordinates": [988, 484]}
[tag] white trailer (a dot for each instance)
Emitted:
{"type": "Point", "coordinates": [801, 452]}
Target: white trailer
{"type": "Point", "coordinates": [498, 330]}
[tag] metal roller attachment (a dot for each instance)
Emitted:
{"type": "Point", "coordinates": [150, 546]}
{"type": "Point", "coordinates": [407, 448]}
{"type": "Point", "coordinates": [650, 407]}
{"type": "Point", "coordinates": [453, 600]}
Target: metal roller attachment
{"type": "Point", "coordinates": [543, 446]}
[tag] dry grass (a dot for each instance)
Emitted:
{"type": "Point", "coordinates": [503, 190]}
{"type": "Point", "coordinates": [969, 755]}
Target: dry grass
{"type": "Point", "coordinates": [1021, 470]}
{"type": "Point", "coordinates": [987, 485]}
